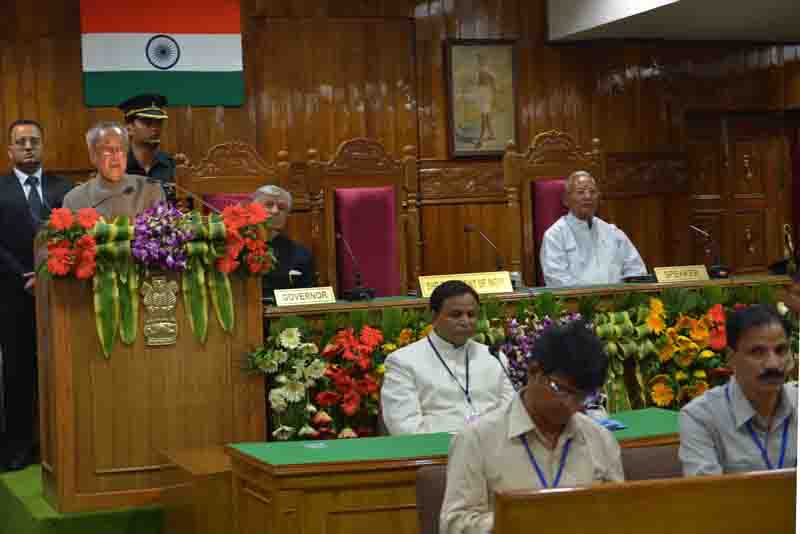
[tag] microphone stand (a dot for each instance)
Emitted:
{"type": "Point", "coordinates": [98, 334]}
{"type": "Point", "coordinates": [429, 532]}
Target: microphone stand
{"type": "Point", "coordinates": [359, 292]}
{"type": "Point", "coordinates": [192, 194]}
{"type": "Point", "coordinates": [498, 259]}
{"type": "Point", "coordinates": [717, 270]}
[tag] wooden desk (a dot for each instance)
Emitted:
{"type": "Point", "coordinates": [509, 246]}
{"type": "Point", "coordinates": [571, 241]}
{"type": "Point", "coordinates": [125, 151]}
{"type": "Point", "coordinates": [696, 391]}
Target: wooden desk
{"type": "Point", "coordinates": [570, 294]}
{"type": "Point", "coordinates": [364, 485]}
{"type": "Point", "coordinates": [752, 503]}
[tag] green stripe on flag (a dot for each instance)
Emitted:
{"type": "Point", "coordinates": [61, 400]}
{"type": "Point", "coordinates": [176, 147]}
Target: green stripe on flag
{"type": "Point", "coordinates": [180, 88]}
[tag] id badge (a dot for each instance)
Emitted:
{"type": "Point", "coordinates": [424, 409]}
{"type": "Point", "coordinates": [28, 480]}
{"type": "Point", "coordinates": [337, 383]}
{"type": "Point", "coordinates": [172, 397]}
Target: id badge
{"type": "Point", "coordinates": [472, 415]}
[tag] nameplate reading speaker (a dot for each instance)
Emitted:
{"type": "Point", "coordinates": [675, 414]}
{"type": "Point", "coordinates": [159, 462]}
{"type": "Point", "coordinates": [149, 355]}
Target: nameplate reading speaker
{"type": "Point", "coordinates": [685, 273]}
{"type": "Point", "coordinates": [482, 283]}
{"type": "Point", "coordinates": [303, 296]}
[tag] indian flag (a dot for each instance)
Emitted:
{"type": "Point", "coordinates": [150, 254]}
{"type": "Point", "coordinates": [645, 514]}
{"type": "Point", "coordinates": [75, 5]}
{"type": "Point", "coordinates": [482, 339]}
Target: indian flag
{"type": "Point", "coordinates": [187, 50]}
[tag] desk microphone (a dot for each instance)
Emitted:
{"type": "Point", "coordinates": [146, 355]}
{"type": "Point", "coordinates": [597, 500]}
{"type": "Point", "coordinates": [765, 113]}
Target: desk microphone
{"type": "Point", "coordinates": [173, 185]}
{"type": "Point", "coordinates": [358, 292]}
{"type": "Point", "coordinates": [127, 191]}
{"type": "Point", "coordinates": [717, 270]}
{"type": "Point", "coordinates": [498, 259]}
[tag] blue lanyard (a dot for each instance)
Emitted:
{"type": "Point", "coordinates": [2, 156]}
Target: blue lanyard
{"type": "Point", "coordinates": [535, 465]}
{"type": "Point", "coordinates": [762, 446]}
{"type": "Point", "coordinates": [450, 371]}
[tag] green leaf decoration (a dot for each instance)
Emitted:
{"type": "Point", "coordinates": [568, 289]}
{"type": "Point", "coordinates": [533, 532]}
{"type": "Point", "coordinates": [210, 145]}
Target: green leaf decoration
{"type": "Point", "coordinates": [588, 306]}
{"type": "Point", "coordinates": [765, 294]}
{"type": "Point", "coordinates": [193, 285]}
{"type": "Point", "coordinates": [219, 285]}
{"type": "Point", "coordinates": [391, 322]}
{"type": "Point", "coordinates": [128, 286]}
{"type": "Point", "coordinates": [106, 308]}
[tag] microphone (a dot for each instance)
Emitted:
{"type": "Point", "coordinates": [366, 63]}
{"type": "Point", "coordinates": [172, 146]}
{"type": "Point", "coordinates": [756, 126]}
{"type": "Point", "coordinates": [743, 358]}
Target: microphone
{"type": "Point", "coordinates": [717, 270]}
{"type": "Point", "coordinates": [498, 259]}
{"type": "Point", "coordinates": [173, 185]}
{"type": "Point", "coordinates": [358, 292]}
{"type": "Point", "coordinates": [127, 191]}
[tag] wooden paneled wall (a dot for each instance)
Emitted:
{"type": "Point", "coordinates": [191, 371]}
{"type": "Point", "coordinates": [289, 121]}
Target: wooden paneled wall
{"type": "Point", "coordinates": [322, 71]}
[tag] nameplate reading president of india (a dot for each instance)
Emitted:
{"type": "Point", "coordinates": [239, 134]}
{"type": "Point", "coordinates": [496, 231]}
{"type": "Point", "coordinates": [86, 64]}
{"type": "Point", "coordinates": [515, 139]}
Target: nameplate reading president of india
{"type": "Point", "coordinates": [483, 283]}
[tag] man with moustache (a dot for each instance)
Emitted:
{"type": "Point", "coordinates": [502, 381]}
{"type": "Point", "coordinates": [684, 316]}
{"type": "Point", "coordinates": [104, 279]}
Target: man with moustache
{"type": "Point", "coordinates": [27, 194]}
{"type": "Point", "coordinates": [442, 381]}
{"type": "Point", "coordinates": [112, 192]}
{"type": "Point", "coordinates": [750, 423]}
{"type": "Point", "coordinates": [145, 116]}
{"type": "Point", "coordinates": [580, 248]}
{"type": "Point", "coordinates": [540, 439]}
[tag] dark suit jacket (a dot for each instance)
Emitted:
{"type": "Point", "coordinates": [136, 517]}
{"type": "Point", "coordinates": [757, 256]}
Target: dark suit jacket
{"type": "Point", "coordinates": [290, 255]}
{"type": "Point", "coordinates": [17, 228]}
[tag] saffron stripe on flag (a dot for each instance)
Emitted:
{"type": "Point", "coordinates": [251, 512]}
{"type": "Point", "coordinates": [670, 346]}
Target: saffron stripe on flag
{"type": "Point", "coordinates": [128, 51]}
{"type": "Point", "coordinates": [180, 88]}
{"type": "Point", "coordinates": [150, 16]}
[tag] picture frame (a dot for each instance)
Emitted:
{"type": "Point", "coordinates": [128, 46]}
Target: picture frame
{"type": "Point", "coordinates": [481, 81]}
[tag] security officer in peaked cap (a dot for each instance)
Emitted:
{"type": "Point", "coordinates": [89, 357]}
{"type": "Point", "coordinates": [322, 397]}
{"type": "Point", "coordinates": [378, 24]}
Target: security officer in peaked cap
{"type": "Point", "coordinates": [144, 116]}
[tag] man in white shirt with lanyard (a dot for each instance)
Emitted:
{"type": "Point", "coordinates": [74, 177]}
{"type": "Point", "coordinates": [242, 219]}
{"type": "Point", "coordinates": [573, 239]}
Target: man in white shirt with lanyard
{"type": "Point", "coordinates": [539, 440]}
{"type": "Point", "coordinates": [444, 380]}
{"type": "Point", "coordinates": [580, 248]}
{"type": "Point", "coordinates": [750, 423]}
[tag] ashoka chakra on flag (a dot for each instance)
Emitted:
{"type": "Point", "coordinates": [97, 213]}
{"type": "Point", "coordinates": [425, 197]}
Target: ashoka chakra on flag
{"type": "Point", "coordinates": [129, 49]}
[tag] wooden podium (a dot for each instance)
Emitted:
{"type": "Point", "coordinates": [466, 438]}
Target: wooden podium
{"type": "Point", "coordinates": [106, 422]}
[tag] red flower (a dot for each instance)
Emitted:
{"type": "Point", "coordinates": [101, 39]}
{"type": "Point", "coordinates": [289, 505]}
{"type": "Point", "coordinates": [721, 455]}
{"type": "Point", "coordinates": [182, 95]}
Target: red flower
{"type": "Point", "coordinates": [59, 260]}
{"type": "Point", "coordinates": [718, 339]}
{"type": "Point", "coordinates": [321, 418]}
{"type": "Point", "coordinates": [234, 217]}
{"type": "Point", "coordinates": [255, 263]}
{"type": "Point", "coordinates": [739, 306]}
{"type": "Point", "coordinates": [87, 217]}
{"type": "Point", "coordinates": [226, 264]}
{"type": "Point", "coordinates": [257, 213]}
{"type": "Point", "coordinates": [254, 244]}
{"type": "Point", "coordinates": [366, 385]}
{"type": "Point", "coordinates": [351, 402]}
{"type": "Point", "coordinates": [62, 243]}
{"type": "Point", "coordinates": [233, 244]}
{"type": "Point", "coordinates": [326, 432]}
{"type": "Point", "coordinates": [717, 313]}
{"type": "Point", "coordinates": [86, 243]}
{"type": "Point", "coordinates": [365, 431]}
{"type": "Point", "coordinates": [330, 351]}
{"type": "Point", "coordinates": [371, 337]}
{"type": "Point", "coordinates": [344, 384]}
{"type": "Point", "coordinates": [327, 398]}
{"type": "Point", "coordinates": [85, 269]}
{"type": "Point", "coordinates": [61, 218]}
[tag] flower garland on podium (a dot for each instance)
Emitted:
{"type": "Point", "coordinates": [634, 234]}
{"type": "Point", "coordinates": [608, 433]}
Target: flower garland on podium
{"type": "Point", "coordinates": [116, 254]}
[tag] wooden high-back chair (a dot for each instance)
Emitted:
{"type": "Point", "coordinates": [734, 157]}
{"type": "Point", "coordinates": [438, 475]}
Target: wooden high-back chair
{"type": "Point", "coordinates": [369, 201]}
{"type": "Point", "coordinates": [534, 185]}
{"type": "Point", "coordinates": [228, 174]}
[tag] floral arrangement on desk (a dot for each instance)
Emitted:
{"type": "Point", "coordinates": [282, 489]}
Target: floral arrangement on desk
{"type": "Point", "coordinates": [116, 254]}
{"type": "Point", "coordinates": [664, 350]}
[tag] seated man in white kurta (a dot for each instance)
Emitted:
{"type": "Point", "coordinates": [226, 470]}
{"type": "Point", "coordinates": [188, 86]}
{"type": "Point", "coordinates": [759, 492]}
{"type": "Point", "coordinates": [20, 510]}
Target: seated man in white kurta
{"type": "Point", "coordinates": [580, 248]}
{"type": "Point", "coordinates": [442, 381]}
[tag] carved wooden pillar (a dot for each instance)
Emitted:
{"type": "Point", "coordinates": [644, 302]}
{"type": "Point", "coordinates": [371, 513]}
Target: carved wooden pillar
{"type": "Point", "coordinates": [511, 185]}
{"type": "Point", "coordinates": [413, 237]}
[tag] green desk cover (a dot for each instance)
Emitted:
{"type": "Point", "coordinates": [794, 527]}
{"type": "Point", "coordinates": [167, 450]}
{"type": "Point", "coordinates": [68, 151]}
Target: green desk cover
{"type": "Point", "coordinates": [645, 423]}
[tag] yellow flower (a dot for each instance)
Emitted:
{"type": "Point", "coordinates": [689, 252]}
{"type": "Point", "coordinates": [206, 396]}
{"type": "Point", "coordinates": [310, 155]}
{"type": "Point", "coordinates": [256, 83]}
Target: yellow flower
{"type": "Point", "coordinates": [425, 331]}
{"type": "Point", "coordinates": [706, 354]}
{"type": "Point", "coordinates": [405, 337]}
{"type": "Point", "coordinates": [686, 344]}
{"type": "Point", "coordinates": [656, 306]}
{"type": "Point", "coordinates": [699, 374]}
{"type": "Point", "coordinates": [700, 387]}
{"type": "Point", "coordinates": [683, 322]}
{"type": "Point", "coordinates": [672, 335]}
{"type": "Point", "coordinates": [666, 352]}
{"type": "Point", "coordinates": [681, 376]}
{"type": "Point", "coordinates": [684, 359]}
{"type": "Point", "coordinates": [662, 394]}
{"type": "Point", "coordinates": [700, 332]}
{"type": "Point", "coordinates": [380, 369]}
{"type": "Point", "coordinates": [655, 323]}
{"type": "Point", "coordinates": [389, 347]}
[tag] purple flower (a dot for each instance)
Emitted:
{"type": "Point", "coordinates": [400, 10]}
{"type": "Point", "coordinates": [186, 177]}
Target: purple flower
{"type": "Point", "coordinates": [159, 238]}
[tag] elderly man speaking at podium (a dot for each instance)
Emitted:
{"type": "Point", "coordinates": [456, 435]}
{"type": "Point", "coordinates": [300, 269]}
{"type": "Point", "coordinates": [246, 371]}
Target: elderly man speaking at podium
{"type": "Point", "coordinates": [112, 192]}
{"type": "Point", "coordinates": [580, 248]}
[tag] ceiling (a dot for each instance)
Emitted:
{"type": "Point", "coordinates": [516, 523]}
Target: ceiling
{"type": "Point", "coordinates": [726, 20]}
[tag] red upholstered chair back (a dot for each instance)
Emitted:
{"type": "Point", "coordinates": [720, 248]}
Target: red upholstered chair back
{"type": "Point", "coordinates": [366, 218]}
{"type": "Point", "coordinates": [534, 185]}
{"type": "Point", "coordinates": [547, 199]}
{"type": "Point", "coordinates": [228, 174]}
{"type": "Point", "coordinates": [370, 199]}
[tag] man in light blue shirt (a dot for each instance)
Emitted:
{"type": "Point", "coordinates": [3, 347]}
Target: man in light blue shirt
{"type": "Point", "coordinates": [750, 423]}
{"type": "Point", "coordinates": [580, 248]}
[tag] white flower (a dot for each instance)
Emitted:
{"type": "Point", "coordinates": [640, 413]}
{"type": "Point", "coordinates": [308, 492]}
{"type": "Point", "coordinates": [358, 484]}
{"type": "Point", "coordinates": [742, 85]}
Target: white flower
{"type": "Point", "coordinates": [277, 399]}
{"type": "Point", "coordinates": [309, 349]}
{"type": "Point", "coordinates": [283, 433]}
{"type": "Point", "coordinates": [268, 365]}
{"type": "Point", "coordinates": [280, 356]}
{"type": "Point", "coordinates": [306, 431]}
{"type": "Point", "coordinates": [316, 369]}
{"type": "Point", "coordinates": [310, 408]}
{"type": "Point", "coordinates": [281, 379]}
{"type": "Point", "coordinates": [298, 371]}
{"type": "Point", "coordinates": [290, 338]}
{"type": "Point", "coordinates": [782, 308]}
{"type": "Point", "coordinates": [295, 391]}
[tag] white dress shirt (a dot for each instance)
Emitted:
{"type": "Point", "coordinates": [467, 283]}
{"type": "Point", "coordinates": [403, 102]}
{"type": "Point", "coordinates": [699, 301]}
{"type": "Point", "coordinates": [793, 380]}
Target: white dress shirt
{"type": "Point", "coordinates": [489, 456]}
{"type": "Point", "coordinates": [573, 254]}
{"type": "Point", "coordinates": [419, 395]}
{"type": "Point", "coordinates": [22, 177]}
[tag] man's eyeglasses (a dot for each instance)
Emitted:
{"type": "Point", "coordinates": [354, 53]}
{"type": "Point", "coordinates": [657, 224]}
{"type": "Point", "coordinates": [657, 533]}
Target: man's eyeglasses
{"type": "Point", "coordinates": [24, 142]}
{"type": "Point", "coordinates": [564, 392]}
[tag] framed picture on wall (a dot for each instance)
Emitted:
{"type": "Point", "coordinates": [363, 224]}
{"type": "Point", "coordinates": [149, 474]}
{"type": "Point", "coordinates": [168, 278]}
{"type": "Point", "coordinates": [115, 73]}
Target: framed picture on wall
{"type": "Point", "coordinates": [481, 96]}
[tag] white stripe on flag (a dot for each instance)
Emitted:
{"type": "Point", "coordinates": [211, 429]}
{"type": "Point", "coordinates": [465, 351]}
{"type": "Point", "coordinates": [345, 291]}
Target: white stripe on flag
{"type": "Point", "coordinates": [103, 52]}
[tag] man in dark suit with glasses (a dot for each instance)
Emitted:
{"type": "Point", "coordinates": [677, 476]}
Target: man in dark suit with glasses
{"type": "Point", "coordinates": [27, 194]}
